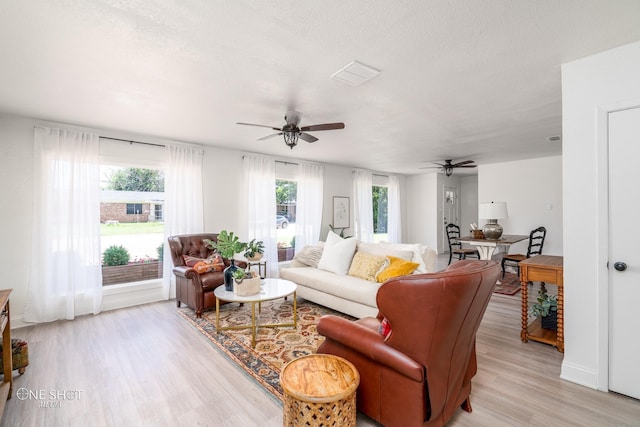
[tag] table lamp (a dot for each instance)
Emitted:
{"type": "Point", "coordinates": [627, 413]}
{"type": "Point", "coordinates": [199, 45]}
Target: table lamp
{"type": "Point", "coordinates": [492, 212]}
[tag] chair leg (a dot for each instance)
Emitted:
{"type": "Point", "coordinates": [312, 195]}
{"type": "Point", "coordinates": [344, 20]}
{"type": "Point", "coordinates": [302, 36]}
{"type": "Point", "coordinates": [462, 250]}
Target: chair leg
{"type": "Point", "coordinates": [450, 255]}
{"type": "Point", "coordinates": [466, 405]}
{"type": "Point", "coordinates": [502, 263]}
{"type": "Point", "coordinates": [178, 303]}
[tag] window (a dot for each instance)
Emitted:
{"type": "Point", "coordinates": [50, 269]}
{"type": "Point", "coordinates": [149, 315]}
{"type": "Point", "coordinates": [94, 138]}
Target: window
{"type": "Point", "coordinates": [380, 199]}
{"type": "Point", "coordinates": [131, 229]}
{"type": "Point", "coordinates": [134, 208]}
{"type": "Point", "coordinates": [157, 210]}
{"type": "Point", "coordinates": [286, 193]}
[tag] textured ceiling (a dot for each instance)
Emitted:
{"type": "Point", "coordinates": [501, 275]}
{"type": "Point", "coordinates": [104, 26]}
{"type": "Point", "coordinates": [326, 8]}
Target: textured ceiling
{"type": "Point", "coordinates": [460, 79]}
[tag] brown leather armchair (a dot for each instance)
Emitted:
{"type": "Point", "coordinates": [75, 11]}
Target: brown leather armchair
{"type": "Point", "coordinates": [193, 288]}
{"type": "Point", "coordinates": [422, 372]}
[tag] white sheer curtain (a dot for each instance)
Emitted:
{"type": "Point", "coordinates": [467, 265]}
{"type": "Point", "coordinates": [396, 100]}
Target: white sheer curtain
{"type": "Point", "coordinates": [310, 195]}
{"type": "Point", "coordinates": [65, 278]}
{"type": "Point", "coordinates": [394, 221]}
{"type": "Point", "coordinates": [260, 206]}
{"type": "Point", "coordinates": [363, 203]}
{"type": "Point", "coordinates": [184, 208]}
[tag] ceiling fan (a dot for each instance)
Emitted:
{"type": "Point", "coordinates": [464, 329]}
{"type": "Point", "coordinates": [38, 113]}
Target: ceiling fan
{"type": "Point", "coordinates": [292, 132]}
{"type": "Point", "coordinates": [448, 166]}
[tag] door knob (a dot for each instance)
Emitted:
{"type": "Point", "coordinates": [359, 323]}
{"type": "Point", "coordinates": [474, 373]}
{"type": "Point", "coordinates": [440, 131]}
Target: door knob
{"type": "Point", "coordinates": [620, 266]}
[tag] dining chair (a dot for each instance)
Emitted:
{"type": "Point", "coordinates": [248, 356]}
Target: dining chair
{"type": "Point", "coordinates": [536, 241]}
{"type": "Point", "coordinates": [455, 247]}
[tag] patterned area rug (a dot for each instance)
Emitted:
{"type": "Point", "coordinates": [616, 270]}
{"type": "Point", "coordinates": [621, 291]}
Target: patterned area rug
{"type": "Point", "coordinates": [274, 346]}
{"type": "Point", "coordinates": [510, 285]}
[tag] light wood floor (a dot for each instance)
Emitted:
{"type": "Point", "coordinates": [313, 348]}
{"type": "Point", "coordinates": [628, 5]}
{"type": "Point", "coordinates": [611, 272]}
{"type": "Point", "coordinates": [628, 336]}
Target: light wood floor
{"type": "Point", "coordinates": [145, 366]}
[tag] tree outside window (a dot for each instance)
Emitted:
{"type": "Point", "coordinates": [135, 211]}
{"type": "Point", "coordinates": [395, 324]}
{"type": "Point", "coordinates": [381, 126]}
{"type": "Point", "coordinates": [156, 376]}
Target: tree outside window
{"type": "Point", "coordinates": [286, 194]}
{"type": "Point", "coordinates": [380, 198]}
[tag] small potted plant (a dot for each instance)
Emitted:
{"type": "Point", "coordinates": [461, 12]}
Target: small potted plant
{"type": "Point", "coordinates": [546, 307]}
{"type": "Point", "coordinates": [227, 245]}
{"type": "Point", "coordinates": [246, 282]}
{"type": "Point", "coordinates": [254, 250]}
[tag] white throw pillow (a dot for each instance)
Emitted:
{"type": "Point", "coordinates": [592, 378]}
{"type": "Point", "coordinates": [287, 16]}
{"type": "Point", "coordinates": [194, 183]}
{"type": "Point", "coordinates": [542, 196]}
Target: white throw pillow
{"type": "Point", "coordinates": [337, 254]}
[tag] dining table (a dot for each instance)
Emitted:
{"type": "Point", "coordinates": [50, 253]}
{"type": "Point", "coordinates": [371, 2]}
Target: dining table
{"type": "Point", "coordinates": [487, 247]}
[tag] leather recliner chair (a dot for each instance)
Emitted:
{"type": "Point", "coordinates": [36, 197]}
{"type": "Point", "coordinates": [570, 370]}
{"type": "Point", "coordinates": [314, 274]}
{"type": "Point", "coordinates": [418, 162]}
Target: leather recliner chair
{"type": "Point", "coordinates": [192, 288]}
{"type": "Point", "coordinates": [421, 373]}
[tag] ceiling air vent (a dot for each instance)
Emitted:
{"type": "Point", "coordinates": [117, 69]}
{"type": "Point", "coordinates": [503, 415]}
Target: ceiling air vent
{"type": "Point", "coordinates": [355, 74]}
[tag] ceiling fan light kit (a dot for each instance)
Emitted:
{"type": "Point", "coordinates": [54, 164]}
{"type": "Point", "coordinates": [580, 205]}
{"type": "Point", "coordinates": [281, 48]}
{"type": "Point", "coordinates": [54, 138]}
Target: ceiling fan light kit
{"type": "Point", "coordinates": [291, 132]}
{"type": "Point", "coordinates": [447, 167]}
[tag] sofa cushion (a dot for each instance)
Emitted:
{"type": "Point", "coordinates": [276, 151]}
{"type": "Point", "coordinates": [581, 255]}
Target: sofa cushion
{"type": "Point", "coordinates": [213, 263]}
{"type": "Point", "coordinates": [419, 253]}
{"type": "Point", "coordinates": [344, 286]}
{"type": "Point", "coordinates": [385, 250]}
{"type": "Point", "coordinates": [367, 266]}
{"type": "Point", "coordinates": [337, 254]}
{"type": "Point", "coordinates": [309, 255]}
{"type": "Point", "coordinates": [397, 267]}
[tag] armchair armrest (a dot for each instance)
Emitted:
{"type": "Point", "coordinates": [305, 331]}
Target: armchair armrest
{"type": "Point", "coordinates": [370, 344]}
{"type": "Point", "coordinates": [186, 272]}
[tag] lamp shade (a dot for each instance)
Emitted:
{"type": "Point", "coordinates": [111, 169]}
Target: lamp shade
{"type": "Point", "coordinates": [493, 210]}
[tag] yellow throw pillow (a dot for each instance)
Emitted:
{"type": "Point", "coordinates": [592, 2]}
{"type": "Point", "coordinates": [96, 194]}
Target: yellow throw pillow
{"type": "Point", "coordinates": [397, 267]}
{"type": "Point", "coordinates": [366, 266]}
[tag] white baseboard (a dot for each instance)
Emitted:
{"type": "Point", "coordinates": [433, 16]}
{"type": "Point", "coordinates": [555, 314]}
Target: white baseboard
{"type": "Point", "coordinates": [130, 294]}
{"type": "Point", "coordinates": [579, 375]}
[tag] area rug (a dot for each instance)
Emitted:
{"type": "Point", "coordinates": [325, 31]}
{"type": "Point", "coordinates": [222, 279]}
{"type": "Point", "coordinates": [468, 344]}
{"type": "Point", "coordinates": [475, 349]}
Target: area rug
{"type": "Point", "coordinates": [510, 285]}
{"type": "Point", "coordinates": [274, 346]}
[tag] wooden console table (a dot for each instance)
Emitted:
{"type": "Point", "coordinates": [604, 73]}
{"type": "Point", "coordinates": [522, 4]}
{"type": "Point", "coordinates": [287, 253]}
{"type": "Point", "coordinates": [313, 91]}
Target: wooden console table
{"type": "Point", "coordinates": [547, 269]}
{"type": "Point", "coordinates": [5, 323]}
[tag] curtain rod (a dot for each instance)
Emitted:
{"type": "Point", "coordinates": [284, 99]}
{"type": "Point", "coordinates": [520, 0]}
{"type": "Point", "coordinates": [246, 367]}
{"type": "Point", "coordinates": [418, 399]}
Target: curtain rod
{"type": "Point", "coordinates": [279, 161]}
{"type": "Point", "coordinates": [131, 141]}
{"type": "Point", "coordinates": [375, 174]}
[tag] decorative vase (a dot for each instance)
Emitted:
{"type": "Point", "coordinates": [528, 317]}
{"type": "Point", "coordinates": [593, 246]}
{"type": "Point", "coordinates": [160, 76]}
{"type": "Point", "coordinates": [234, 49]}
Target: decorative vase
{"type": "Point", "coordinates": [550, 322]}
{"type": "Point", "coordinates": [256, 257]}
{"type": "Point", "coordinates": [228, 275]}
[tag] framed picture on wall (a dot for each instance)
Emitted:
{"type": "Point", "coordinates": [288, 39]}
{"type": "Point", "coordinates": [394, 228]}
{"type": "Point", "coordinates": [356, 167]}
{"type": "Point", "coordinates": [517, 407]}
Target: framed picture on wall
{"type": "Point", "coordinates": [341, 217]}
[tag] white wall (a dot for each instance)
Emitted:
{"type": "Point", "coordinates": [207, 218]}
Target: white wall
{"type": "Point", "coordinates": [533, 192]}
{"type": "Point", "coordinates": [468, 197]}
{"type": "Point", "coordinates": [422, 209]}
{"type": "Point", "coordinates": [590, 87]}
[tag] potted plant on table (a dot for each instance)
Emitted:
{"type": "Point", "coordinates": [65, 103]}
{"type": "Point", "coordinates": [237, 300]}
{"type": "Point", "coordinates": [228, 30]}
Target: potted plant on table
{"type": "Point", "coordinates": [546, 307]}
{"type": "Point", "coordinates": [228, 245]}
{"type": "Point", "coordinates": [254, 250]}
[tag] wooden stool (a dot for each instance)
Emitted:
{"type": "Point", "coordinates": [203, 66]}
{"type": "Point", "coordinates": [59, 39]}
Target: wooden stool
{"type": "Point", "coordinates": [319, 390]}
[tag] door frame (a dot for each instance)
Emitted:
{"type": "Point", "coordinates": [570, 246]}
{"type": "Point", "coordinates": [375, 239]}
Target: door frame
{"type": "Point", "coordinates": [445, 240]}
{"type": "Point", "coordinates": [602, 232]}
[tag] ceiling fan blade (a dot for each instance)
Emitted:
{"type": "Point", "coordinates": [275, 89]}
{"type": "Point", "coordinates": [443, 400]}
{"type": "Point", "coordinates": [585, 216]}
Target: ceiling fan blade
{"type": "Point", "coordinates": [261, 126]}
{"type": "Point", "coordinates": [269, 136]}
{"type": "Point", "coordinates": [326, 126]}
{"type": "Point", "coordinates": [467, 166]}
{"type": "Point", "coordinates": [430, 167]}
{"type": "Point", "coordinates": [462, 163]}
{"type": "Point", "coordinates": [307, 137]}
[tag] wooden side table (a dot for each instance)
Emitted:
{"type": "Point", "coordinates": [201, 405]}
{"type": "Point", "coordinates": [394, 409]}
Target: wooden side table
{"type": "Point", "coordinates": [319, 390]}
{"type": "Point", "coordinates": [547, 269]}
{"type": "Point", "coordinates": [262, 267]}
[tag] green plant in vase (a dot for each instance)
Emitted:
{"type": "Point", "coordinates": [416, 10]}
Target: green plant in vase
{"type": "Point", "coordinates": [546, 307]}
{"type": "Point", "coordinates": [254, 250]}
{"type": "Point", "coordinates": [227, 244]}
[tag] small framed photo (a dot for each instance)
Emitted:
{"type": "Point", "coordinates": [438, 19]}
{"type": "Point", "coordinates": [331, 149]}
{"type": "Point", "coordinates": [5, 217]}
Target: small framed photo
{"type": "Point", "coordinates": [341, 217]}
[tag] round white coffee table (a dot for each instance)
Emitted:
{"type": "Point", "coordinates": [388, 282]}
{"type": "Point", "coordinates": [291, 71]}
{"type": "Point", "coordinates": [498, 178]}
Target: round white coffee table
{"type": "Point", "coordinates": [269, 290]}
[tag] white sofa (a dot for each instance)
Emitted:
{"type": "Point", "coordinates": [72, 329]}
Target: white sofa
{"type": "Point", "coordinates": [345, 293]}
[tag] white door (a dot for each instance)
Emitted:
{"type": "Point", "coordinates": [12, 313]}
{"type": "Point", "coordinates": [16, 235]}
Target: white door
{"type": "Point", "coordinates": [624, 253]}
{"type": "Point", "coordinates": [450, 212]}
